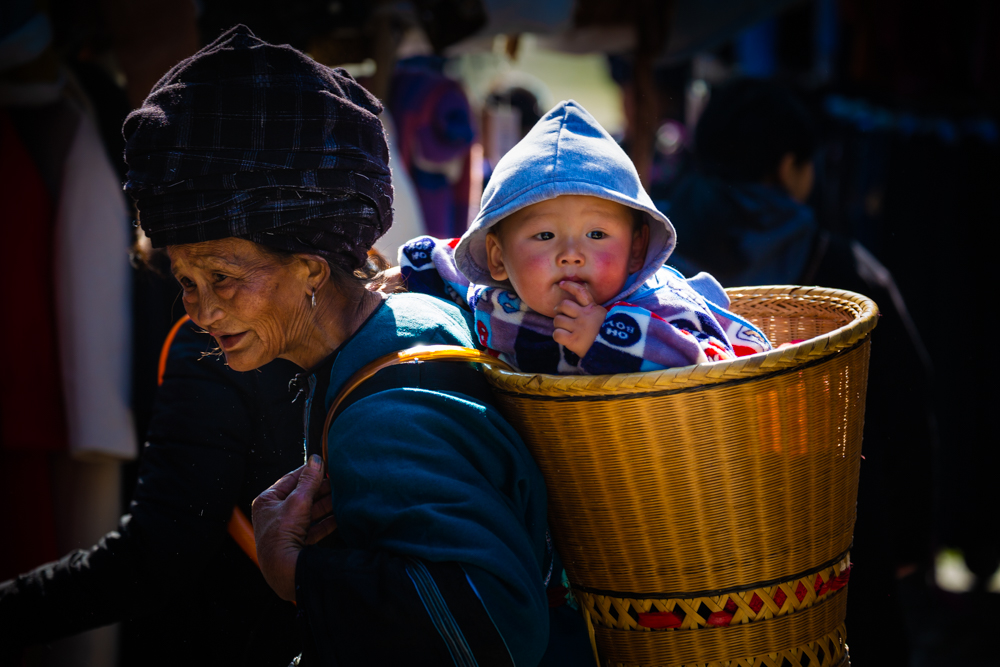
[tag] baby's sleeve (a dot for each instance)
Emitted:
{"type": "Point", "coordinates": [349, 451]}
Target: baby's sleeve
{"type": "Point", "coordinates": [634, 339]}
{"type": "Point", "coordinates": [744, 337]}
{"type": "Point", "coordinates": [514, 333]}
{"type": "Point", "coordinates": [671, 322]}
{"type": "Point", "coordinates": [428, 267]}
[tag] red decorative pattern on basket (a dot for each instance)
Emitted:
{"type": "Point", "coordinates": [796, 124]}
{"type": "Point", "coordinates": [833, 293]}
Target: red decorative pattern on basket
{"type": "Point", "coordinates": [800, 592]}
{"type": "Point", "coordinates": [779, 598]}
{"type": "Point", "coordinates": [659, 619]}
{"type": "Point", "coordinates": [840, 580]}
{"type": "Point", "coordinates": [719, 619]}
{"type": "Point", "coordinates": [722, 610]}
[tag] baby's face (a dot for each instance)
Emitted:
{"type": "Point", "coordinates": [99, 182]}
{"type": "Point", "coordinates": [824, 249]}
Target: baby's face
{"type": "Point", "coordinates": [583, 239]}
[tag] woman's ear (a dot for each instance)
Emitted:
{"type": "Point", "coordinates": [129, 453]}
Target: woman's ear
{"type": "Point", "coordinates": [640, 244]}
{"type": "Point", "coordinates": [494, 257]}
{"type": "Point", "coordinates": [317, 272]}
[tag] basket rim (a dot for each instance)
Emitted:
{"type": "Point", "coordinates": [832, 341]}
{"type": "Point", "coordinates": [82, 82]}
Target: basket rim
{"type": "Point", "coordinates": [865, 317]}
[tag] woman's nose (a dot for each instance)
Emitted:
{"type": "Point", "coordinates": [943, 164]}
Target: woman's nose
{"type": "Point", "coordinates": [205, 311]}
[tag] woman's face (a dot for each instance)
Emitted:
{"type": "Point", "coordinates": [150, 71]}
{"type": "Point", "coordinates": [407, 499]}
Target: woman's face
{"type": "Point", "coordinates": [254, 305]}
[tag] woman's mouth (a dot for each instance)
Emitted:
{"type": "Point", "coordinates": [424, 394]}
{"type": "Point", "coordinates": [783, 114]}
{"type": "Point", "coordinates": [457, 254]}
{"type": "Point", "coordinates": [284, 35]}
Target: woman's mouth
{"type": "Point", "coordinates": [229, 341]}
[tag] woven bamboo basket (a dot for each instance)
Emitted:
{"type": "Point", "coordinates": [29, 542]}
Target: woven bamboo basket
{"type": "Point", "coordinates": [705, 514]}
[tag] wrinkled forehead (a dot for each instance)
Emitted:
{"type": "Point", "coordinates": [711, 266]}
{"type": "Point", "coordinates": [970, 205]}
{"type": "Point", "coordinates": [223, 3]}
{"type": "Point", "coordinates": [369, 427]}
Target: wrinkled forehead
{"type": "Point", "coordinates": [229, 253]}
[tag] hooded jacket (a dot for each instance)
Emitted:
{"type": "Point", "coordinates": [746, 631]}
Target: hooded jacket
{"type": "Point", "coordinates": [658, 319]}
{"type": "Point", "coordinates": [745, 233]}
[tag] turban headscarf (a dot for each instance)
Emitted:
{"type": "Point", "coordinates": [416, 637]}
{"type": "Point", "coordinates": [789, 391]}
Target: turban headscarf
{"type": "Point", "coordinates": [260, 142]}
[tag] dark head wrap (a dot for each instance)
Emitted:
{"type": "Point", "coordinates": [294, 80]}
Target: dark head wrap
{"type": "Point", "coordinates": [260, 142]}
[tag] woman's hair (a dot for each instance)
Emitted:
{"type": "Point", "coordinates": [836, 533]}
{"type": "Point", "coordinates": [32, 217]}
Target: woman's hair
{"type": "Point", "coordinates": [371, 275]}
{"type": "Point", "coordinates": [748, 126]}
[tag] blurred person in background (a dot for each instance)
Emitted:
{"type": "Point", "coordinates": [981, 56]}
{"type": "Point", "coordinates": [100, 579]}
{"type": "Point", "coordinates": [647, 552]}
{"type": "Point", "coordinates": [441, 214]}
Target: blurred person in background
{"type": "Point", "coordinates": [509, 113]}
{"type": "Point", "coordinates": [743, 216]}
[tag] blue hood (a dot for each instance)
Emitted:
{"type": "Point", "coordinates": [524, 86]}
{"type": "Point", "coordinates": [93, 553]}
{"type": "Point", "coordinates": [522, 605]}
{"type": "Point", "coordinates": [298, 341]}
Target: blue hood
{"type": "Point", "coordinates": [566, 153]}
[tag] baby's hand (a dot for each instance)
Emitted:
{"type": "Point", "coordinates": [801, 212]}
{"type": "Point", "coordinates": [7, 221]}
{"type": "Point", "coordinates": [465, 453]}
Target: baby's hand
{"type": "Point", "coordinates": [578, 320]}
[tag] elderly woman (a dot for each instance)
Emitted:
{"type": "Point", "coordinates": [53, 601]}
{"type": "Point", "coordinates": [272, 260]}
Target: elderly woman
{"type": "Point", "coordinates": [265, 175]}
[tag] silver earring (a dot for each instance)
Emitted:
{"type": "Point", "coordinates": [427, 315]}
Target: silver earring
{"type": "Point", "coordinates": [314, 298]}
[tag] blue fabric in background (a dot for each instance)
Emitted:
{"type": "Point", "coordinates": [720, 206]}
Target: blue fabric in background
{"type": "Point", "coordinates": [747, 234]}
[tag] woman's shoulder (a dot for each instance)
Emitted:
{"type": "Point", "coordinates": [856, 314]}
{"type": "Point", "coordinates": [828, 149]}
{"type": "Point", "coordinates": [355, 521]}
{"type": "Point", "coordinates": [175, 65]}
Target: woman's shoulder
{"type": "Point", "coordinates": [420, 315]}
{"type": "Point", "coordinates": [403, 321]}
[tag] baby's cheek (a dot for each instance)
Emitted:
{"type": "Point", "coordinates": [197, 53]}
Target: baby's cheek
{"type": "Point", "coordinates": [532, 269]}
{"type": "Point", "coordinates": [610, 265]}
{"type": "Point", "coordinates": [536, 263]}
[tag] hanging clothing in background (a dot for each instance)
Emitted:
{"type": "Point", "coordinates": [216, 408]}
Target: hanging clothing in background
{"type": "Point", "coordinates": [65, 414]}
{"type": "Point", "coordinates": [93, 300]}
{"type": "Point", "coordinates": [83, 250]}
{"type": "Point", "coordinates": [435, 132]}
{"type": "Point", "coordinates": [32, 421]}
{"type": "Point", "coordinates": [407, 216]}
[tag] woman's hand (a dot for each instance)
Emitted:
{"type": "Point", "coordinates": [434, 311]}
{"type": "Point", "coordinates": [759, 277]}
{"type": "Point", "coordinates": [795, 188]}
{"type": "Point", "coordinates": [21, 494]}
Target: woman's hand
{"type": "Point", "coordinates": [294, 512]}
{"type": "Point", "coordinates": [578, 320]}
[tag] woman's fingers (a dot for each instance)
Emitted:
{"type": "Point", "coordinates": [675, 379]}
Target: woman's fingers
{"type": "Point", "coordinates": [284, 486]}
{"type": "Point", "coordinates": [322, 506]}
{"type": "Point", "coordinates": [323, 521]}
{"type": "Point", "coordinates": [281, 524]}
{"type": "Point", "coordinates": [321, 529]}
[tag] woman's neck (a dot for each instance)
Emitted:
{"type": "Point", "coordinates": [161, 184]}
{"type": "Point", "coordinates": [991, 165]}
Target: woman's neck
{"type": "Point", "coordinates": [337, 318]}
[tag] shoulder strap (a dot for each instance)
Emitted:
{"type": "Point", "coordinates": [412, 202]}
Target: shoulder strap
{"type": "Point", "coordinates": [165, 350]}
{"type": "Point", "coordinates": [439, 376]}
{"type": "Point", "coordinates": [409, 368]}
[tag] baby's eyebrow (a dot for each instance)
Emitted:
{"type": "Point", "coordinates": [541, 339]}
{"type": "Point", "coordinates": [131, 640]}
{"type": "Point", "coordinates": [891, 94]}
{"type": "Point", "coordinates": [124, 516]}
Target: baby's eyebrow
{"type": "Point", "coordinates": [534, 215]}
{"type": "Point", "coordinates": [604, 212]}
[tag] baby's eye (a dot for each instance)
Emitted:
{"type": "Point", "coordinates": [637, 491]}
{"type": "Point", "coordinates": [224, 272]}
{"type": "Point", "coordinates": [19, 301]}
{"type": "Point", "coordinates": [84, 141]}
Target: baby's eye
{"type": "Point", "coordinates": [596, 234]}
{"type": "Point", "coordinates": [545, 236]}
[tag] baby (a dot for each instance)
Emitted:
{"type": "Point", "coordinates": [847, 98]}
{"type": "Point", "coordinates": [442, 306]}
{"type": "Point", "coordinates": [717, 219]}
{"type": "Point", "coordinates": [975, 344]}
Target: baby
{"type": "Point", "coordinates": [564, 265]}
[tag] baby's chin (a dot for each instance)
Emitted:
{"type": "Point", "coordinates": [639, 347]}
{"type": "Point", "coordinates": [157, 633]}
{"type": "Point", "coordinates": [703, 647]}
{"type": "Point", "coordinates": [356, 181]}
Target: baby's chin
{"type": "Point", "coordinates": [543, 304]}
{"type": "Point", "coordinates": [547, 308]}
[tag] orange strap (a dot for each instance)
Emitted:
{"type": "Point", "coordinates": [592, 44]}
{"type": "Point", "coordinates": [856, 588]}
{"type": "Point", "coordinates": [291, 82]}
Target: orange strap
{"type": "Point", "coordinates": [239, 526]}
{"type": "Point", "coordinates": [242, 531]}
{"type": "Point", "coordinates": [165, 351]}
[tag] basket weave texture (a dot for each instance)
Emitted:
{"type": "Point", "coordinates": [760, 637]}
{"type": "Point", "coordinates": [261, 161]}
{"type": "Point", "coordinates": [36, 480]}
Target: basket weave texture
{"type": "Point", "coordinates": [695, 488]}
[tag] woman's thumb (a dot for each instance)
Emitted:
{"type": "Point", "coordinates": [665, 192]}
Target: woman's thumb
{"type": "Point", "coordinates": [311, 476]}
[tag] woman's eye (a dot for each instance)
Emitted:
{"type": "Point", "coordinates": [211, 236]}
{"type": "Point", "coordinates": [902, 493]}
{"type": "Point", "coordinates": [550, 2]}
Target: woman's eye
{"type": "Point", "coordinates": [545, 236]}
{"type": "Point", "coordinates": [186, 284]}
{"type": "Point", "coordinates": [596, 234]}
{"type": "Point", "coordinates": [218, 277]}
